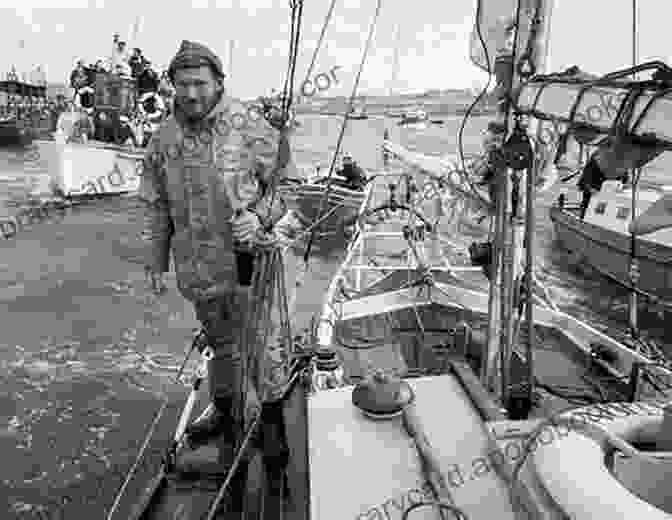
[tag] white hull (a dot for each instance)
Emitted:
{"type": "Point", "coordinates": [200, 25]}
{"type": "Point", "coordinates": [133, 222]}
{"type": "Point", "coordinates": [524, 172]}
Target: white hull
{"type": "Point", "coordinates": [92, 169]}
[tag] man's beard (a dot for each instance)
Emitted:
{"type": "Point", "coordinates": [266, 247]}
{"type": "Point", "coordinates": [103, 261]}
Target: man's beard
{"type": "Point", "coordinates": [212, 103]}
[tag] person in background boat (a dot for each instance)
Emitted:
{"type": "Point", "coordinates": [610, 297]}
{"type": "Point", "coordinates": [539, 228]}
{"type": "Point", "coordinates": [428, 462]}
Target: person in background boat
{"type": "Point", "coordinates": [148, 80]}
{"type": "Point", "coordinates": [136, 62]}
{"type": "Point", "coordinates": [75, 125]}
{"type": "Point", "coordinates": [614, 159]}
{"type": "Point", "coordinates": [354, 175]}
{"type": "Point", "coordinates": [202, 230]}
{"type": "Point", "coordinates": [90, 75]}
{"type": "Point", "coordinates": [79, 77]}
{"type": "Point", "coordinates": [119, 59]}
{"type": "Point", "coordinates": [99, 66]}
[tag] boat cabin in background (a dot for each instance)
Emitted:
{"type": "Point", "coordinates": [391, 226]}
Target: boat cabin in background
{"type": "Point", "coordinates": [114, 103]}
{"type": "Point", "coordinates": [121, 97]}
{"type": "Point", "coordinates": [22, 111]}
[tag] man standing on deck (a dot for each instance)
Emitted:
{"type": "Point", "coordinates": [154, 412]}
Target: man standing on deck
{"type": "Point", "coordinates": [205, 161]}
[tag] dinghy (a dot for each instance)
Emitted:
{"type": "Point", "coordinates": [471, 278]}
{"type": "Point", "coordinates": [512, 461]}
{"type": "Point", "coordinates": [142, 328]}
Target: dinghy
{"type": "Point", "coordinates": [331, 199]}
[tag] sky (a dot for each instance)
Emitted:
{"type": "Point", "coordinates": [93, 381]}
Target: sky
{"type": "Point", "coordinates": [433, 39]}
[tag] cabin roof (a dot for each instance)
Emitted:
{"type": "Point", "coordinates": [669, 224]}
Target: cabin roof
{"type": "Point", "coordinates": [612, 190]}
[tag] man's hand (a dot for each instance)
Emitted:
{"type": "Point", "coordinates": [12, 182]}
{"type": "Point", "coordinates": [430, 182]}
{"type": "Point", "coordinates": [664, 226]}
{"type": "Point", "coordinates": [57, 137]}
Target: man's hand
{"type": "Point", "coordinates": [246, 226]}
{"type": "Point", "coordinates": [155, 281]}
{"type": "Point", "coordinates": [288, 227]}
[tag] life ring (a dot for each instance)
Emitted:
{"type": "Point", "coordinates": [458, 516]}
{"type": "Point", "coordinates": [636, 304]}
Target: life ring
{"type": "Point", "coordinates": [85, 98]}
{"type": "Point", "coordinates": [572, 466]}
{"type": "Point", "coordinates": [147, 100]}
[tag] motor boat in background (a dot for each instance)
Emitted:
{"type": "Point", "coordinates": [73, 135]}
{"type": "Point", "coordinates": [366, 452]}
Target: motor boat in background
{"type": "Point", "coordinates": [99, 143]}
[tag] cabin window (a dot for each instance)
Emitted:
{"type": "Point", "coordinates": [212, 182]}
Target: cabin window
{"type": "Point", "coordinates": [600, 208]}
{"type": "Point", "coordinates": [623, 213]}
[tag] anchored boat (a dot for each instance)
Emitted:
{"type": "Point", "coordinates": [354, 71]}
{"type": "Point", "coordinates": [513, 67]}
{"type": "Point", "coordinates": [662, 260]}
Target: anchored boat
{"type": "Point", "coordinates": [414, 117]}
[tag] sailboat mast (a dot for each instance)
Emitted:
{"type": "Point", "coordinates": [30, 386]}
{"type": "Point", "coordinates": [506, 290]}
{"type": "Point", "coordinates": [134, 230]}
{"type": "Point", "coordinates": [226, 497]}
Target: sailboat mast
{"type": "Point", "coordinates": [531, 48]}
{"type": "Point", "coordinates": [395, 67]}
{"type": "Point", "coordinates": [395, 60]}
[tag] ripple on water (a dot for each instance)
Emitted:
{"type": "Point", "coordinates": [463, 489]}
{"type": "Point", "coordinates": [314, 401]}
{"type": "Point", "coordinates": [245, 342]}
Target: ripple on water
{"type": "Point", "coordinates": [64, 388]}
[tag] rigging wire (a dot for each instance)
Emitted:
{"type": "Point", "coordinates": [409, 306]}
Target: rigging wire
{"type": "Point", "coordinates": [341, 135]}
{"type": "Point", "coordinates": [295, 33]}
{"type": "Point", "coordinates": [467, 114]}
{"type": "Point", "coordinates": [327, 20]}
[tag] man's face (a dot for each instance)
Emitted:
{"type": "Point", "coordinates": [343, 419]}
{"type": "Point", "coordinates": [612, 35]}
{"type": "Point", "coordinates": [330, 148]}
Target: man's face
{"type": "Point", "coordinates": [196, 91]}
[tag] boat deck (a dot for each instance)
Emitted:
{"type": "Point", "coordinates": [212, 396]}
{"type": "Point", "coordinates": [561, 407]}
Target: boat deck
{"type": "Point", "coordinates": [363, 469]}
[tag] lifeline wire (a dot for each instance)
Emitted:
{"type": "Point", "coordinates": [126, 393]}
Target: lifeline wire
{"type": "Point", "coordinates": [327, 19]}
{"type": "Point", "coordinates": [150, 433]}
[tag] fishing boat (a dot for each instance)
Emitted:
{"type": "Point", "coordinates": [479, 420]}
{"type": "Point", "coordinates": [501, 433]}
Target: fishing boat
{"type": "Point", "coordinates": [333, 198]}
{"type": "Point", "coordinates": [419, 394]}
{"type": "Point", "coordinates": [602, 240]}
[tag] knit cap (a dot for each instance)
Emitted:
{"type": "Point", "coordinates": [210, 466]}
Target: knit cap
{"type": "Point", "coordinates": [194, 54]}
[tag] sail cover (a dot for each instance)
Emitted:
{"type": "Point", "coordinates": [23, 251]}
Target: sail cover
{"type": "Point", "coordinates": [496, 18]}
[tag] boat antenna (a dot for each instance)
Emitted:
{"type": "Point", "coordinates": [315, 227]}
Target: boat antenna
{"type": "Point", "coordinates": [339, 142]}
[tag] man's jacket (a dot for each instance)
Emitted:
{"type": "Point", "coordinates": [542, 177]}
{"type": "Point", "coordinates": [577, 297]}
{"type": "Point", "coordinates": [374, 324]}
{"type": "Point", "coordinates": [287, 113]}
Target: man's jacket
{"type": "Point", "coordinates": [193, 180]}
